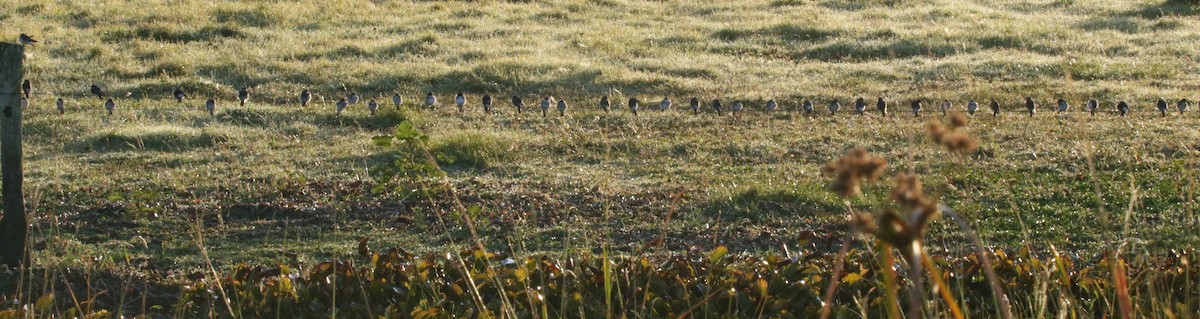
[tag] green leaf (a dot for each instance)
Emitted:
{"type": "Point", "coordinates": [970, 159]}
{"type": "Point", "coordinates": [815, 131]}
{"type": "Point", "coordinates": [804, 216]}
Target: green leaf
{"type": "Point", "coordinates": [406, 131]}
{"type": "Point", "coordinates": [382, 140]}
{"type": "Point", "coordinates": [717, 254]}
{"type": "Point", "coordinates": [474, 211]}
{"type": "Point", "coordinates": [45, 303]}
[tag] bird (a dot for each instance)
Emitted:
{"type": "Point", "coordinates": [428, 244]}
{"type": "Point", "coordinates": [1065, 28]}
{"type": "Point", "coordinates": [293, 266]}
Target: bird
{"type": "Point", "coordinates": [243, 95]}
{"type": "Point", "coordinates": [1123, 108]}
{"type": "Point", "coordinates": [916, 108]}
{"type": "Point", "coordinates": [516, 102]}
{"type": "Point", "coordinates": [487, 103]}
{"type": "Point", "coordinates": [1063, 106]}
{"type": "Point", "coordinates": [604, 104]}
{"type": "Point", "coordinates": [25, 39]}
{"type": "Point", "coordinates": [808, 107]}
{"type": "Point", "coordinates": [972, 106]}
{"type": "Point", "coordinates": [735, 107]}
{"type": "Point", "coordinates": [430, 100]}
{"type": "Point", "coordinates": [665, 104]}
{"type": "Point", "coordinates": [716, 106]}
{"type": "Point", "coordinates": [305, 96]}
{"type": "Point", "coordinates": [695, 104]}
{"type": "Point", "coordinates": [834, 106]}
{"type": "Point", "coordinates": [545, 105]}
{"type": "Point", "coordinates": [1182, 105]}
{"type": "Point", "coordinates": [59, 105]}
{"type": "Point", "coordinates": [341, 105]}
{"type": "Point", "coordinates": [1092, 105]}
{"type": "Point", "coordinates": [562, 107]}
{"type": "Point", "coordinates": [633, 105]}
{"type": "Point", "coordinates": [97, 91]}
{"type": "Point", "coordinates": [946, 106]}
{"type": "Point", "coordinates": [881, 106]}
{"type": "Point", "coordinates": [460, 100]}
{"type": "Point", "coordinates": [27, 88]}
{"type": "Point", "coordinates": [353, 98]}
{"type": "Point", "coordinates": [1162, 106]}
{"type": "Point", "coordinates": [110, 106]}
{"type": "Point", "coordinates": [397, 100]}
{"type": "Point", "coordinates": [179, 95]}
{"type": "Point", "coordinates": [211, 106]}
{"type": "Point", "coordinates": [995, 108]}
{"type": "Point", "coordinates": [1030, 105]}
{"type": "Point", "coordinates": [860, 106]}
{"type": "Point", "coordinates": [771, 105]}
{"type": "Point", "coordinates": [372, 105]}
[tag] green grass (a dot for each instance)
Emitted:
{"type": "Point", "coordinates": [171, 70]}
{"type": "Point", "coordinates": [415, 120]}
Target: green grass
{"type": "Point", "coordinates": [273, 183]}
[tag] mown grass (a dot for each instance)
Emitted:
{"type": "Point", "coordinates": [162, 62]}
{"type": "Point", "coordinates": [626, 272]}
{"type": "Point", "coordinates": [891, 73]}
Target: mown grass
{"type": "Point", "coordinates": [272, 183]}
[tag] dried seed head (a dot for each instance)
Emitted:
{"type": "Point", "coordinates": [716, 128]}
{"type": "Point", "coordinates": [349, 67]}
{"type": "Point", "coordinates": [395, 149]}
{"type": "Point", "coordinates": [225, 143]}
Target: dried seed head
{"type": "Point", "coordinates": [909, 194]}
{"type": "Point", "coordinates": [935, 130]}
{"type": "Point", "coordinates": [957, 120]}
{"type": "Point", "coordinates": [851, 169]}
{"type": "Point", "coordinates": [960, 143]}
{"type": "Point", "coordinates": [863, 223]}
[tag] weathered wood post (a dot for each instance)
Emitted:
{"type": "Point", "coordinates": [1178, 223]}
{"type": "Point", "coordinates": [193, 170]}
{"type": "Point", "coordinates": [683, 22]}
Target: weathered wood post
{"type": "Point", "coordinates": [14, 226]}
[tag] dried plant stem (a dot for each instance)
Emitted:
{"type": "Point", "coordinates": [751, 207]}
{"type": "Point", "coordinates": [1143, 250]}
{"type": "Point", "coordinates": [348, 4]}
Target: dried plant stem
{"type": "Point", "coordinates": [835, 278]}
{"type": "Point", "coordinates": [889, 279]}
{"type": "Point", "coordinates": [943, 288]}
{"type": "Point", "coordinates": [916, 292]}
{"type": "Point", "coordinates": [984, 260]}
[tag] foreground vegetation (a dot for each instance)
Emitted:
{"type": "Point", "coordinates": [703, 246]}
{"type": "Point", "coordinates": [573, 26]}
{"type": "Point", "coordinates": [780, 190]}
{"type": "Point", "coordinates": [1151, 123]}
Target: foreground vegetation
{"type": "Point", "coordinates": [151, 209]}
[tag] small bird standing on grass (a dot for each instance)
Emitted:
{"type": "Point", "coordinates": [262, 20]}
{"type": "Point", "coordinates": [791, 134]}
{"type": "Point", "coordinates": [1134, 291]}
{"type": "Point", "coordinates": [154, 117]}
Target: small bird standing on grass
{"type": "Point", "coordinates": [995, 108]}
{"type": "Point", "coordinates": [916, 107]}
{"type": "Point", "coordinates": [562, 107]}
{"type": "Point", "coordinates": [1162, 106]}
{"type": "Point", "coordinates": [1030, 105]}
{"type": "Point", "coordinates": [1092, 106]}
{"type": "Point", "coordinates": [25, 39]}
{"type": "Point", "coordinates": [736, 107]}
{"type": "Point", "coordinates": [633, 105]}
{"type": "Point", "coordinates": [1122, 108]}
{"type": "Point", "coordinates": [110, 106]}
{"type": "Point", "coordinates": [545, 105]}
{"type": "Point", "coordinates": [946, 107]}
{"type": "Point", "coordinates": [460, 100]}
{"type": "Point", "coordinates": [516, 102]}
{"type": "Point", "coordinates": [341, 105]}
{"type": "Point", "coordinates": [695, 104]}
{"type": "Point", "coordinates": [1063, 106]}
{"type": "Point", "coordinates": [372, 105]}
{"type": "Point", "coordinates": [881, 106]}
{"type": "Point", "coordinates": [716, 106]}
{"type": "Point", "coordinates": [99, 93]}
{"type": "Point", "coordinates": [487, 103]}
{"type": "Point", "coordinates": [808, 107]}
{"type": "Point", "coordinates": [860, 106]}
{"type": "Point", "coordinates": [834, 106]}
{"type": "Point", "coordinates": [604, 104]}
{"type": "Point", "coordinates": [243, 96]}
{"type": "Point", "coordinates": [665, 104]}
{"type": "Point", "coordinates": [59, 104]}
{"type": "Point", "coordinates": [27, 88]}
{"type": "Point", "coordinates": [353, 98]}
{"type": "Point", "coordinates": [972, 106]}
{"type": "Point", "coordinates": [397, 100]}
{"type": "Point", "coordinates": [1182, 105]}
{"type": "Point", "coordinates": [305, 97]}
{"type": "Point", "coordinates": [211, 106]}
{"type": "Point", "coordinates": [430, 100]}
{"type": "Point", "coordinates": [771, 105]}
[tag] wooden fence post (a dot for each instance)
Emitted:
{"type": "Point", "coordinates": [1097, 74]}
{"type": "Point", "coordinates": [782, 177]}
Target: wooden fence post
{"type": "Point", "coordinates": [14, 225]}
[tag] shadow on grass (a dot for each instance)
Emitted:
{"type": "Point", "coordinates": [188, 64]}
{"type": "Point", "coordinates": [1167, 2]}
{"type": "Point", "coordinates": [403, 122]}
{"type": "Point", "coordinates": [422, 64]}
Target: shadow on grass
{"type": "Point", "coordinates": [166, 138]}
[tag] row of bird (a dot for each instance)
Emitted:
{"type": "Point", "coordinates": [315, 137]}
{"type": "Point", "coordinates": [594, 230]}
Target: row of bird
{"type": "Point", "coordinates": [634, 105]}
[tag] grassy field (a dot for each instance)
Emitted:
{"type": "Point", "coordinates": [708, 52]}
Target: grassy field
{"type": "Point", "coordinates": [273, 183]}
